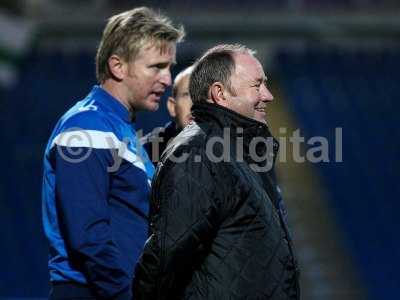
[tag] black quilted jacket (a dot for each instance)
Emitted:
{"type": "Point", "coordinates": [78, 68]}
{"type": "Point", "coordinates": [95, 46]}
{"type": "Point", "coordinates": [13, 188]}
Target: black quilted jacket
{"type": "Point", "coordinates": [217, 231]}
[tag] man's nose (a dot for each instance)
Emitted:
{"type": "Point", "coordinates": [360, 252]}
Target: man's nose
{"type": "Point", "coordinates": [266, 95]}
{"type": "Point", "coordinates": [166, 78]}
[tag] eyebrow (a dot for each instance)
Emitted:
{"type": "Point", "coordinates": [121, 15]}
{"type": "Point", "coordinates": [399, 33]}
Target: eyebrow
{"type": "Point", "coordinates": [262, 80]}
{"type": "Point", "coordinates": [164, 64]}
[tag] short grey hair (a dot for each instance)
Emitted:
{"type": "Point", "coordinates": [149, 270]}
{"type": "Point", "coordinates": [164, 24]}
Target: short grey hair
{"type": "Point", "coordinates": [215, 65]}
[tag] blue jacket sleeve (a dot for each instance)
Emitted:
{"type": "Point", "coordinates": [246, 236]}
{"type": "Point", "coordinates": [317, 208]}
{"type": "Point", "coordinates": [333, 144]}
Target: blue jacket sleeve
{"type": "Point", "coordinates": [82, 191]}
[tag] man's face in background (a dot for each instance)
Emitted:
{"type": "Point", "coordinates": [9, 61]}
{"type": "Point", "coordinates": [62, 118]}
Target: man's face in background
{"type": "Point", "coordinates": [180, 103]}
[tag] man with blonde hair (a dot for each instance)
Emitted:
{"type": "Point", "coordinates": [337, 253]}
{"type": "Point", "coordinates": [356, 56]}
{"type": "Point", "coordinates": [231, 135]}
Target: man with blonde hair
{"type": "Point", "coordinates": [96, 180]}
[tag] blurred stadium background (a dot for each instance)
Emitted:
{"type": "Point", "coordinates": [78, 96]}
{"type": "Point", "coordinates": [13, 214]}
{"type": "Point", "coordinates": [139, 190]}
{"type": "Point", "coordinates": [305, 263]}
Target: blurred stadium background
{"type": "Point", "coordinates": [331, 63]}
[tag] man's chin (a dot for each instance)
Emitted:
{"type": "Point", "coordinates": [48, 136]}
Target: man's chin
{"type": "Point", "coordinates": [262, 117]}
{"type": "Point", "coordinates": [152, 106]}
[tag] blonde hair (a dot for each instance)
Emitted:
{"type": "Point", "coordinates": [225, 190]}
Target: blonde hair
{"type": "Point", "coordinates": [126, 33]}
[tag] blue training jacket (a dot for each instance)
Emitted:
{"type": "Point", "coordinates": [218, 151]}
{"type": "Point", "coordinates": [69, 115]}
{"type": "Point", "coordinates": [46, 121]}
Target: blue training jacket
{"type": "Point", "coordinates": [96, 189]}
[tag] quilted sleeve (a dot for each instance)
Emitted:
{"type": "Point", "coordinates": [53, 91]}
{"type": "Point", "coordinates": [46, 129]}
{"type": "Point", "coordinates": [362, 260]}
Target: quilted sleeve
{"type": "Point", "coordinates": [185, 219]}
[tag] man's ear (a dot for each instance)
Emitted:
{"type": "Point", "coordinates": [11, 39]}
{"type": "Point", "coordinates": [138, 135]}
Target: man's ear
{"type": "Point", "coordinates": [117, 67]}
{"type": "Point", "coordinates": [217, 93]}
{"type": "Point", "coordinates": [171, 102]}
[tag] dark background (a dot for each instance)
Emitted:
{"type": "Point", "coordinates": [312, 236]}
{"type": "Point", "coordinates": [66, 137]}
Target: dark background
{"type": "Point", "coordinates": [331, 64]}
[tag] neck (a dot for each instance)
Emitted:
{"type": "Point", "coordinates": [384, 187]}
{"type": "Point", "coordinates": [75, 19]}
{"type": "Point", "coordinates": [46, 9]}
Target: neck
{"type": "Point", "coordinates": [115, 90]}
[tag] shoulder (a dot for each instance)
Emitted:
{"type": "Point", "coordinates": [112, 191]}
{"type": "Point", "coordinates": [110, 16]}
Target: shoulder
{"type": "Point", "coordinates": [85, 119]}
{"type": "Point", "coordinates": [188, 154]}
{"type": "Point", "coordinates": [163, 132]}
{"type": "Point", "coordinates": [85, 128]}
{"type": "Point", "coordinates": [155, 134]}
{"type": "Point", "coordinates": [200, 147]}
{"type": "Point", "coordinates": [190, 143]}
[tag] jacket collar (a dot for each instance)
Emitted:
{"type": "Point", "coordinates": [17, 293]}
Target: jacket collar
{"type": "Point", "coordinates": [112, 103]}
{"type": "Point", "coordinates": [206, 111]}
{"type": "Point", "coordinates": [240, 126]}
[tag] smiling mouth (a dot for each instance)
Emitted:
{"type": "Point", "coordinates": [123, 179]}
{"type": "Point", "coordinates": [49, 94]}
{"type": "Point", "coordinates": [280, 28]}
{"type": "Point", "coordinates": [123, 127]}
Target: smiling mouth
{"type": "Point", "coordinates": [261, 109]}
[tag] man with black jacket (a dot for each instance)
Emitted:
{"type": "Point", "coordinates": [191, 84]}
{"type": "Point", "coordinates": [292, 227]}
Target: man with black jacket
{"type": "Point", "coordinates": [217, 226]}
